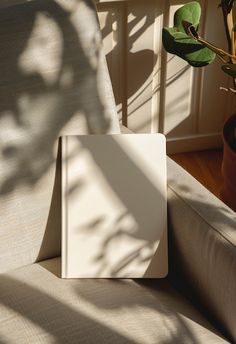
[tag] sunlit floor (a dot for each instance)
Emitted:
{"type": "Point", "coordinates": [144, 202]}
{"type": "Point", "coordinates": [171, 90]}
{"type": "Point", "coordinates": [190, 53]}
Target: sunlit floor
{"type": "Point", "coordinates": [205, 166]}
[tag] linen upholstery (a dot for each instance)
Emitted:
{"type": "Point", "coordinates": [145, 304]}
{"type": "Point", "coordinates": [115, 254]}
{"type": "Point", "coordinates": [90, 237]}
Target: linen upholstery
{"type": "Point", "coordinates": [38, 307]}
{"type": "Point", "coordinates": [54, 82]}
{"type": "Point", "coordinates": [202, 234]}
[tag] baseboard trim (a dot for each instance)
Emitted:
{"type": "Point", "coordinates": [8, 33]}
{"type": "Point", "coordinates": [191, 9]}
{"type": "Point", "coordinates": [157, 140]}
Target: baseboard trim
{"type": "Point", "coordinates": [194, 143]}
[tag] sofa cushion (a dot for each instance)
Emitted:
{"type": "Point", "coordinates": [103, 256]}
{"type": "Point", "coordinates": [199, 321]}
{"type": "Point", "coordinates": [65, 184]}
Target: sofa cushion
{"type": "Point", "coordinates": [54, 82]}
{"type": "Point", "coordinates": [202, 239]}
{"type": "Point", "coordinates": [38, 307]}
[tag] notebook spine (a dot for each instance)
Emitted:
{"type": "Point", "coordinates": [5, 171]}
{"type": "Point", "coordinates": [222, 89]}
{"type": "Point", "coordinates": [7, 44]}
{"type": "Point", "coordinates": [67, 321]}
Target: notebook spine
{"type": "Point", "coordinates": [64, 213]}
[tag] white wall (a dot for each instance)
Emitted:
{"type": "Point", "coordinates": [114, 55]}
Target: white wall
{"type": "Point", "coordinates": [158, 92]}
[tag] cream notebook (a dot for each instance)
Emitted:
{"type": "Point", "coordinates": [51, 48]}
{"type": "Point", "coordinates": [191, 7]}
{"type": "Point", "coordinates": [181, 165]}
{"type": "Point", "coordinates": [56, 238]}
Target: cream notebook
{"type": "Point", "coordinates": [114, 206]}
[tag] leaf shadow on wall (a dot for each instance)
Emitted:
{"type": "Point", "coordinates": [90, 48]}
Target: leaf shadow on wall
{"type": "Point", "coordinates": [140, 62]}
{"type": "Point", "coordinates": [133, 67]}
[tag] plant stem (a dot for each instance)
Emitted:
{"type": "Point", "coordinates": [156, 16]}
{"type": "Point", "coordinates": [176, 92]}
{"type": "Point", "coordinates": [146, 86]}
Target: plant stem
{"type": "Point", "coordinates": [230, 34]}
{"type": "Point", "coordinates": [222, 53]}
{"type": "Point", "coordinates": [225, 57]}
{"type": "Point", "coordinates": [227, 22]}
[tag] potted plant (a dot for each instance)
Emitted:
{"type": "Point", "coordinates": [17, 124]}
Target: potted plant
{"type": "Point", "coordinates": [184, 41]}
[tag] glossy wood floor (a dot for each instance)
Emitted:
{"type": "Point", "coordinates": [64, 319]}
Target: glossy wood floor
{"type": "Point", "coordinates": [205, 166]}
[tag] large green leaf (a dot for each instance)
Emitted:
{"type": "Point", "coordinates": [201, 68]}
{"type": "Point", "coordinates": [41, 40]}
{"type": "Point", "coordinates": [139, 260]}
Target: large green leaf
{"type": "Point", "coordinates": [191, 12]}
{"type": "Point", "coordinates": [182, 45]}
{"type": "Point", "coordinates": [177, 41]}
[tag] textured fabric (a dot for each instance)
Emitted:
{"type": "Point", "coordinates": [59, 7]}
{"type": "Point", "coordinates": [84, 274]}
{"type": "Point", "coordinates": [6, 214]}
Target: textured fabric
{"type": "Point", "coordinates": [203, 244]}
{"type": "Point", "coordinates": [54, 82]}
{"type": "Point", "coordinates": [38, 307]}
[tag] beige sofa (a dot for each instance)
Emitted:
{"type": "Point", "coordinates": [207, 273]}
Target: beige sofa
{"type": "Point", "coordinates": [54, 82]}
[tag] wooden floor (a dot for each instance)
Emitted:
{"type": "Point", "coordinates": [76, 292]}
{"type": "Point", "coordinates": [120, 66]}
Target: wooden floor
{"type": "Point", "coordinates": [205, 166]}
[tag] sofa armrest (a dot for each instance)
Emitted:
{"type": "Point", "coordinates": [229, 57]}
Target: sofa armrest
{"type": "Point", "coordinates": [202, 238]}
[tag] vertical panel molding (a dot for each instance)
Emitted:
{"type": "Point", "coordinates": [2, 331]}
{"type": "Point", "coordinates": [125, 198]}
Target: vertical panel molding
{"type": "Point", "coordinates": [159, 92]}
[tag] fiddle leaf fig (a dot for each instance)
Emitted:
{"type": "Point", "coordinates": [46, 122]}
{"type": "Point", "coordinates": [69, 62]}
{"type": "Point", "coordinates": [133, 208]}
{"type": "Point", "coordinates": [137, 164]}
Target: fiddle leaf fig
{"type": "Point", "coordinates": [177, 41]}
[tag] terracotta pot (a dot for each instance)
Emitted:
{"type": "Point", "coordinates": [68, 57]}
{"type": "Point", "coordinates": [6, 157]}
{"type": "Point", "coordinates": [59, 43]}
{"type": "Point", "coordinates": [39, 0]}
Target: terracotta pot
{"type": "Point", "coordinates": [228, 192]}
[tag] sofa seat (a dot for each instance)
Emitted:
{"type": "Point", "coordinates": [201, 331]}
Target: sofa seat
{"type": "Point", "coordinates": [39, 307]}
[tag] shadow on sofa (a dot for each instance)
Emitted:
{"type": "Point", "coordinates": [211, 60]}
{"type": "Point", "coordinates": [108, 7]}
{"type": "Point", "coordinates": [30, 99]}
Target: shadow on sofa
{"type": "Point", "coordinates": [88, 310]}
{"type": "Point", "coordinates": [36, 305]}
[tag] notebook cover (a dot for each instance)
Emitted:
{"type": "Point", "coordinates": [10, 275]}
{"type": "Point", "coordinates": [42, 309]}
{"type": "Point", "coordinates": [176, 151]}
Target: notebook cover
{"type": "Point", "coordinates": [114, 206]}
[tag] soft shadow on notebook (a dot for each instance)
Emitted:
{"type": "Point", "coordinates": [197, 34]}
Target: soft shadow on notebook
{"type": "Point", "coordinates": [114, 206]}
